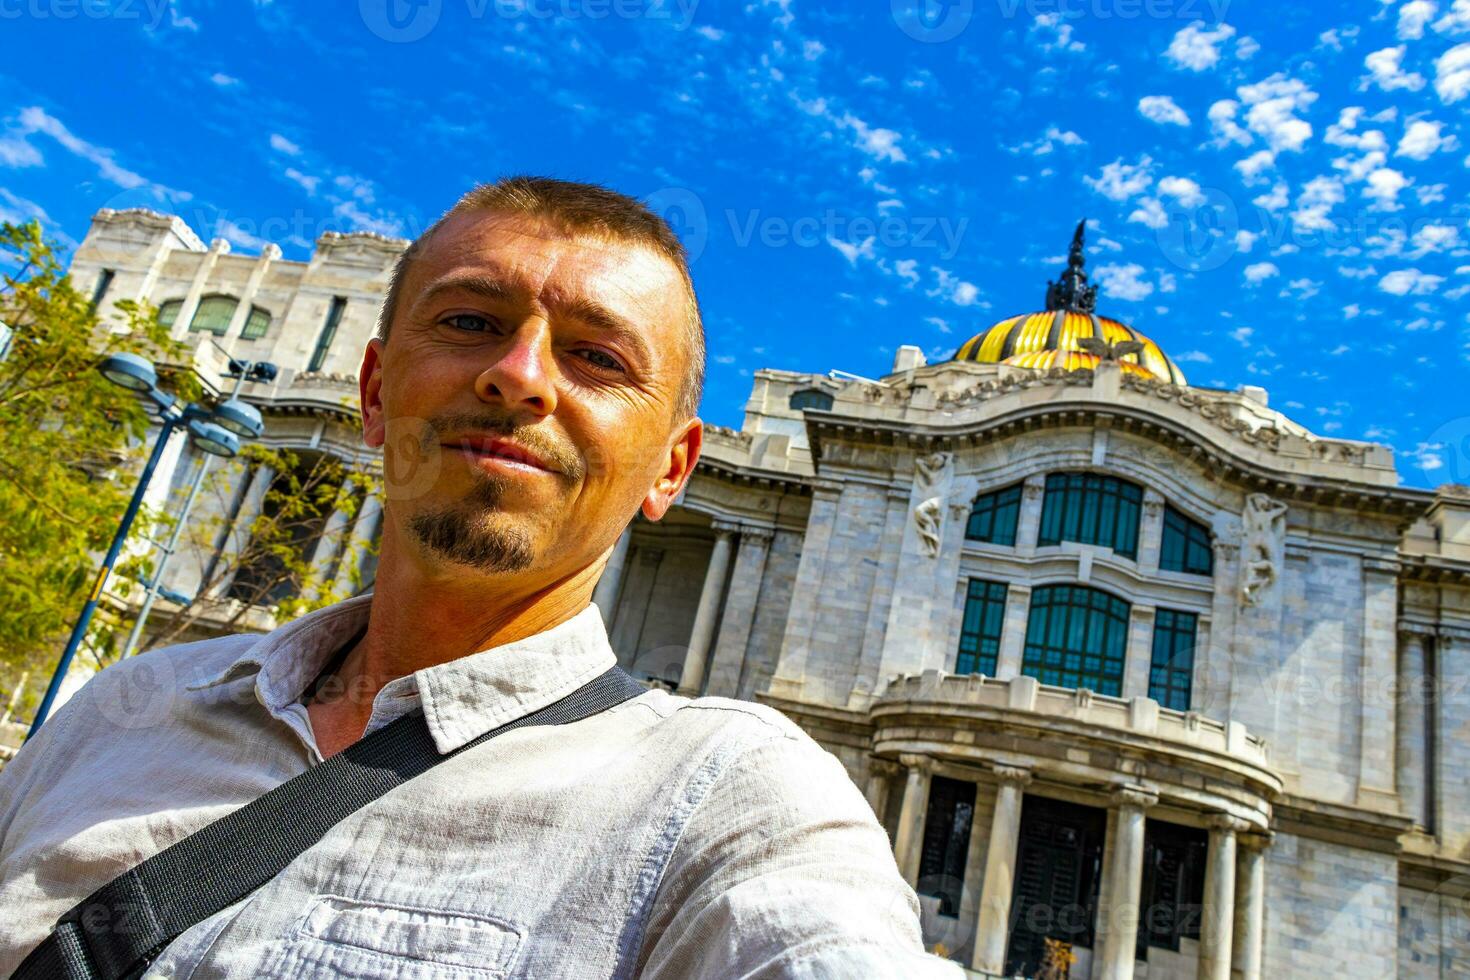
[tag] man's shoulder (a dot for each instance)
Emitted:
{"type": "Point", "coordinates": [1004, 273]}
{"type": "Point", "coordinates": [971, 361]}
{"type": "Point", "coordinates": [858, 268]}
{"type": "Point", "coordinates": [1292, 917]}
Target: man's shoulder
{"type": "Point", "coordinates": [725, 718]}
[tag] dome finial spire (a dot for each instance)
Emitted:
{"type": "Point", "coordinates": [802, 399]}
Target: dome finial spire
{"type": "Point", "coordinates": [1072, 291]}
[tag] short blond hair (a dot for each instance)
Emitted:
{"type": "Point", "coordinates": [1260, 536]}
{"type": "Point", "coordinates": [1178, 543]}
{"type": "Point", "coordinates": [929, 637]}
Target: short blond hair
{"type": "Point", "coordinates": [578, 208]}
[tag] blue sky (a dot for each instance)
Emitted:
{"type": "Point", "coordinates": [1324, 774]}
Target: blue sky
{"type": "Point", "coordinates": [1276, 192]}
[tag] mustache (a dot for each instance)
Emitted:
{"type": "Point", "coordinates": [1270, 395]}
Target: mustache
{"type": "Point", "coordinates": [534, 438]}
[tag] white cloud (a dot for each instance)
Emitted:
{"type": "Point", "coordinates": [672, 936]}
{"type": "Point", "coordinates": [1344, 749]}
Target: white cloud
{"type": "Point", "coordinates": [881, 144]}
{"type": "Point", "coordinates": [1245, 240]}
{"type": "Point", "coordinates": [1452, 74]}
{"type": "Point", "coordinates": [1123, 282]}
{"type": "Point", "coordinates": [1275, 199]}
{"type": "Point", "coordinates": [1383, 188]}
{"type": "Point", "coordinates": [1053, 33]}
{"type": "Point", "coordinates": [1194, 357]}
{"type": "Point", "coordinates": [907, 270]}
{"type": "Point", "coordinates": [1429, 193]}
{"type": "Point", "coordinates": [1119, 181]}
{"type": "Point", "coordinates": [1183, 190]}
{"type": "Point", "coordinates": [1260, 271]}
{"type": "Point", "coordinates": [224, 81]}
{"type": "Point", "coordinates": [307, 182]}
{"type": "Point", "coordinates": [1242, 336]}
{"type": "Point", "coordinates": [1315, 203]}
{"type": "Point", "coordinates": [1412, 18]}
{"type": "Point", "coordinates": [34, 119]}
{"type": "Point", "coordinates": [16, 152]}
{"type": "Point", "coordinates": [1198, 48]}
{"type": "Point", "coordinates": [1274, 103]}
{"type": "Point", "coordinates": [1456, 20]}
{"type": "Point", "coordinates": [1162, 110]}
{"type": "Point", "coordinates": [1402, 282]}
{"type": "Point", "coordinates": [852, 252]}
{"type": "Point", "coordinates": [280, 144]}
{"type": "Point", "coordinates": [1222, 121]}
{"type": "Point", "coordinates": [1254, 165]}
{"type": "Point", "coordinates": [710, 33]}
{"type": "Point", "coordinates": [1388, 73]}
{"type": "Point", "coordinates": [18, 210]}
{"type": "Point", "coordinates": [1246, 48]}
{"type": "Point", "coordinates": [812, 50]}
{"type": "Point", "coordinates": [1150, 212]}
{"type": "Point", "coordinates": [1422, 139]}
{"type": "Point", "coordinates": [953, 288]}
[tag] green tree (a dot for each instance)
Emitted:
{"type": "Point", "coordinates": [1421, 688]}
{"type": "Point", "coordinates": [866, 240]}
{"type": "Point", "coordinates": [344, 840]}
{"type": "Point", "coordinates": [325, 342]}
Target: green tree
{"type": "Point", "coordinates": [262, 563]}
{"type": "Point", "coordinates": [67, 439]}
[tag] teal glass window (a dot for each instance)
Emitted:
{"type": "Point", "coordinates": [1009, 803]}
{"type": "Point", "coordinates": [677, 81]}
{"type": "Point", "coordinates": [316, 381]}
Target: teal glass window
{"type": "Point", "coordinates": [1091, 508]}
{"type": "Point", "coordinates": [1076, 637]}
{"type": "Point", "coordinates": [1171, 670]}
{"type": "Point", "coordinates": [168, 313]}
{"type": "Point", "coordinates": [985, 613]}
{"type": "Point", "coordinates": [328, 334]}
{"type": "Point", "coordinates": [256, 324]}
{"type": "Point", "coordinates": [994, 516]}
{"type": "Point", "coordinates": [1186, 545]}
{"type": "Point", "coordinates": [811, 398]}
{"type": "Point", "coordinates": [213, 315]}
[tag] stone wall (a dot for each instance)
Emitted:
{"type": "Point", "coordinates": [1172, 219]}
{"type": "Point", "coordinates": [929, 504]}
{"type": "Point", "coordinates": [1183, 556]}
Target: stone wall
{"type": "Point", "coordinates": [1330, 910]}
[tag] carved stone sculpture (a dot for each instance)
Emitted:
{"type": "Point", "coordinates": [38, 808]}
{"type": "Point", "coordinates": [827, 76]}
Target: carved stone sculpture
{"type": "Point", "coordinates": [928, 516]}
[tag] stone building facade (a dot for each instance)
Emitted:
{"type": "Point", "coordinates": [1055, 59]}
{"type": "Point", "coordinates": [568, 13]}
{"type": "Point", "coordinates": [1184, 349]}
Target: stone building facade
{"type": "Point", "coordinates": [1144, 668]}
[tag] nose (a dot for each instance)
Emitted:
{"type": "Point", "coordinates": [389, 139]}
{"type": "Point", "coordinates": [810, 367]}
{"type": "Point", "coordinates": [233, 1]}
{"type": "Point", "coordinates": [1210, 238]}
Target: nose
{"type": "Point", "coordinates": [523, 375]}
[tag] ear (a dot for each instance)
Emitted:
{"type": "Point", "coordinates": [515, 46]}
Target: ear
{"type": "Point", "coordinates": [370, 392]}
{"type": "Point", "coordinates": [683, 454]}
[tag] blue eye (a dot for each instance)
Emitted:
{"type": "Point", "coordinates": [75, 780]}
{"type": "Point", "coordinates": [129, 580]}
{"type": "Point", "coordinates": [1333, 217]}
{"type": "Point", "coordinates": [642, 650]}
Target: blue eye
{"type": "Point", "coordinates": [601, 359]}
{"type": "Point", "coordinates": [468, 321]}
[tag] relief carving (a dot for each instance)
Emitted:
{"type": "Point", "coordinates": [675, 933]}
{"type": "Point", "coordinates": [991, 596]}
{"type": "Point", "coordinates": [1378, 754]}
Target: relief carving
{"type": "Point", "coordinates": [928, 517]}
{"type": "Point", "coordinates": [1265, 532]}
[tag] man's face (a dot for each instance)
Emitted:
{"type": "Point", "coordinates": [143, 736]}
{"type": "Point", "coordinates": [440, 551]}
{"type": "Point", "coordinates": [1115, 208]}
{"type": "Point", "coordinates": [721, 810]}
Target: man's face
{"type": "Point", "coordinates": [524, 399]}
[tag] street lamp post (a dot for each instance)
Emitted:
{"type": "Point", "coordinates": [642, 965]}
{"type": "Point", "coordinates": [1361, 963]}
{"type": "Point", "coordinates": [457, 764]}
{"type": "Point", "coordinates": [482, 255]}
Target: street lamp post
{"type": "Point", "coordinates": [246, 424]}
{"type": "Point", "coordinates": [137, 375]}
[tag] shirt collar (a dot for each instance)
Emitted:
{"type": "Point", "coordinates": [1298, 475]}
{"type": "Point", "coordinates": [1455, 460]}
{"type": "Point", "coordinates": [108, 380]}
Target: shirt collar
{"type": "Point", "coordinates": [462, 699]}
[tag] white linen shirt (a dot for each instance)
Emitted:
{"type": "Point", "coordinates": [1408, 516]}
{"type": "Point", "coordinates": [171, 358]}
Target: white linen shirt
{"type": "Point", "coordinates": [663, 838]}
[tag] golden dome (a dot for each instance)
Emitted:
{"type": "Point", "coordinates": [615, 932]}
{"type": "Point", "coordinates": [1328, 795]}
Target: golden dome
{"type": "Point", "coordinates": [1070, 331]}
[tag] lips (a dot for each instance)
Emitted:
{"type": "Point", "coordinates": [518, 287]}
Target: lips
{"type": "Point", "coordinates": [502, 449]}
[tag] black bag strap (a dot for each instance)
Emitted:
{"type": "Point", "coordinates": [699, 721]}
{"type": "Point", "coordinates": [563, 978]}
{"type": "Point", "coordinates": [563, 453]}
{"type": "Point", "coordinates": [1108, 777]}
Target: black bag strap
{"type": "Point", "coordinates": [120, 928]}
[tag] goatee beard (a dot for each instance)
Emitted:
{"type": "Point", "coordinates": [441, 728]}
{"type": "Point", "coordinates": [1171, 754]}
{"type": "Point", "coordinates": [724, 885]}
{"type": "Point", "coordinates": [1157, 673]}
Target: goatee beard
{"type": "Point", "coordinates": [463, 536]}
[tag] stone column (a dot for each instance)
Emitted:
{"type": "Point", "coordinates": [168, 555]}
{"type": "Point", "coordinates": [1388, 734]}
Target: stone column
{"type": "Point", "coordinates": [326, 555]}
{"type": "Point", "coordinates": [992, 929]}
{"type": "Point", "coordinates": [909, 837]}
{"type": "Point", "coordinates": [1250, 907]}
{"type": "Point", "coordinates": [1412, 732]}
{"type": "Point", "coordinates": [270, 253]}
{"type": "Point", "coordinates": [1028, 523]}
{"type": "Point", "coordinates": [691, 680]}
{"type": "Point", "coordinates": [605, 595]}
{"type": "Point", "coordinates": [740, 606]}
{"type": "Point", "coordinates": [1124, 885]}
{"type": "Point", "coordinates": [1013, 632]}
{"type": "Point", "coordinates": [880, 780]}
{"type": "Point", "coordinates": [237, 535]}
{"type": "Point", "coordinates": [1219, 914]}
{"type": "Point", "coordinates": [364, 530]}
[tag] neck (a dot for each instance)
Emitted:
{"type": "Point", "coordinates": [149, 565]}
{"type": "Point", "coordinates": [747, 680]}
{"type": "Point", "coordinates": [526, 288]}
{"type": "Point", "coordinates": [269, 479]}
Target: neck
{"type": "Point", "coordinates": [424, 614]}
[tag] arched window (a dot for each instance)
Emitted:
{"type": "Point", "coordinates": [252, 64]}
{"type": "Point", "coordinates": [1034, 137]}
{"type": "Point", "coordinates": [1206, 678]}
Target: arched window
{"type": "Point", "coordinates": [256, 324]}
{"type": "Point", "coordinates": [1076, 637]}
{"type": "Point", "coordinates": [1186, 545]}
{"type": "Point", "coordinates": [993, 516]}
{"type": "Point", "coordinates": [1091, 508]}
{"type": "Point", "coordinates": [213, 315]}
{"type": "Point", "coordinates": [169, 311]}
{"type": "Point", "coordinates": [811, 398]}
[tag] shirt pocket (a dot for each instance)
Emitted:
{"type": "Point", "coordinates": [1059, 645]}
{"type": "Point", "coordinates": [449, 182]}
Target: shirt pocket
{"type": "Point", "coordinates": [373, 940]}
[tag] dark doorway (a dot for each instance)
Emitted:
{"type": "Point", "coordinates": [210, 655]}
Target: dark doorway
{"type": "Point", "coordinates": [1058, 872]}
{"type": "Point", "coordinates": [946, 842]}
{"type": "Point", "coordinates": [1173, 890]}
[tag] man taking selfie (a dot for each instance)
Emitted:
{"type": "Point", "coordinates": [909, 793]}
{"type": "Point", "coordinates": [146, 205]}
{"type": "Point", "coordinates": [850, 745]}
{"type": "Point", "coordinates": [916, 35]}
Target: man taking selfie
{"type": "Point", "coordinates": [533, 386]}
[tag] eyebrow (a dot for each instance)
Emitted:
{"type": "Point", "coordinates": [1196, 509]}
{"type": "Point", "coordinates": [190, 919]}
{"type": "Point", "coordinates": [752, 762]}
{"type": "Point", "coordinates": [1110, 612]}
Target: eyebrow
{"type": "Point", "coordinates": [580, 308]}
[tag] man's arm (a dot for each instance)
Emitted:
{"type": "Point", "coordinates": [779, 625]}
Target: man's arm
{"type": "Point", "coordinates": [782, 871]}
